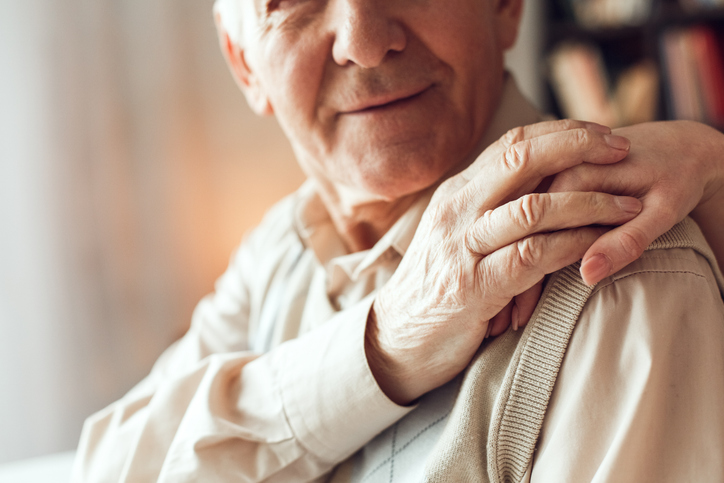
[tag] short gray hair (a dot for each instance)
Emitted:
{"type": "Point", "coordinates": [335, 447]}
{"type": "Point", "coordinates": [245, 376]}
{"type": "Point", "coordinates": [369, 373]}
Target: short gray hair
{"type": "Point", "coordinates": [231, 19]}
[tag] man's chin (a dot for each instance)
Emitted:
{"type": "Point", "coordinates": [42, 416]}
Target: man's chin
{"type": "Point", "coordinates": [396, 167]}
{"type": "Point", "coordinates": [393, 184]}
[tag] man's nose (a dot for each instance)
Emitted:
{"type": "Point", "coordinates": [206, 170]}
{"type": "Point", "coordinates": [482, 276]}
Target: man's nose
{"type": "Point", "coordinates": [365, 32]}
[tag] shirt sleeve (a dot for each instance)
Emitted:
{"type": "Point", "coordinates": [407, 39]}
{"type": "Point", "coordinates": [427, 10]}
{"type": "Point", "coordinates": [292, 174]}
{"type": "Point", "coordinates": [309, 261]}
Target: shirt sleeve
{"type": "Point", "coordinates": [640, 393]}
{"type": "Point", "coordinates": [210, 410]}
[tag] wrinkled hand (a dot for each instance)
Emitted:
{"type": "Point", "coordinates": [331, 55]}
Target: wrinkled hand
{"type": "Point", "coordinates": [482, 241]}
{"type": "Point", "coordinates": [672, 167]}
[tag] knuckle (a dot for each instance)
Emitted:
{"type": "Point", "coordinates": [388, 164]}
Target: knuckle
{"type": "Point", "coordinates": [596, 202]}
{"type": "Point", "coordinates": [633, 242]}
{"type": "Point", "coordinates": [568, 124]}
{"type": "Point", "coordinates": [528, 253]}
{"type": "Point", "coordinates": [473, 242]}
{"type": "Point", "coordinates": [517, 157]}
{"type": "Point", "coordinates": [486, 222]}
{"type": "Point", "coordinates": [582, 136]}
{"type": "Point", "coordinates": [513, 136]}
{"type": "Point", "coordinates": [475, 235]}
{"type": "Point", "coordinates": [495, 277]}
{"type": "Point", "coordinates": [531, 209]}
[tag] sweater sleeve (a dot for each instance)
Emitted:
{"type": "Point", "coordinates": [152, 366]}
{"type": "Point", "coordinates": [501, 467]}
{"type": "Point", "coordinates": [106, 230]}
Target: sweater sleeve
{"type": "Point", "coordinates": [639, 396]}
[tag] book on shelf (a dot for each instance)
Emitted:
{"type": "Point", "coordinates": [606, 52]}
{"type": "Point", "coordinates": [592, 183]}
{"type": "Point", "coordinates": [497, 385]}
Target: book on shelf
{"type": "Point", "coordinates": [595, 14]}
{"type": "Point", "coordinates": [608, 13]}
{"type": "Point", "coordinates": [697, 5]}
{"type": "Point", "coordinates": [581, 86]}
{"type": "Point", "coordinates": [694, 68]}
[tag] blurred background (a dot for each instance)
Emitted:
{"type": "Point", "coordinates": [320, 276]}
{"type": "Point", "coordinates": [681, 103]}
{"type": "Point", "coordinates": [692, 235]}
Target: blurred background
{"type": "Point", "coordinates": [130, 167]}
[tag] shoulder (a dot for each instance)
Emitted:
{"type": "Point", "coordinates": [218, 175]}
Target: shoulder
{"type": "Point", "coordinates": [274, 239]}
{"type": "Point", "coordinates": [661, 269]}
{"type": "Point", "coordinates": [644, 368]}
{"type": "Point", "coordinates": [228, 316]}
{"type": "Point", "coordinates": [278, 225]}
{"type": "Point", "coordinates": [677, 270]}
{"type": "Point", "coordinates": [262, 251]}
{"type": "Point", "coordinates": [665, 295]}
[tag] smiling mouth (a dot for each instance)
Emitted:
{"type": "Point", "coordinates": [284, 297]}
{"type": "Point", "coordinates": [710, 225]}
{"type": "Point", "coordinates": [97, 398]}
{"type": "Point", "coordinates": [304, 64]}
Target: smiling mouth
{"type": "Point", "coordinates": [391, 104]}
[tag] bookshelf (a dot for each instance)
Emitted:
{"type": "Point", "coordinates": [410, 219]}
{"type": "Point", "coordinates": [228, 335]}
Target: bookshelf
{"type": "Point", "coordinates": [628, 61]}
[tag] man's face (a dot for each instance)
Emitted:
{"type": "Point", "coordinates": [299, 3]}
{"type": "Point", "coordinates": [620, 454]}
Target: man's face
{"type": "Point", "coordinates": [382, 96]}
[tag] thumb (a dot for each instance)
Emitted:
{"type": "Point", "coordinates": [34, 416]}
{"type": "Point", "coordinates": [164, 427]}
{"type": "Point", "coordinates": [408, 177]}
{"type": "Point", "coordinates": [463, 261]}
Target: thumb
{"type": "Point", "coordinates": [624, 244]}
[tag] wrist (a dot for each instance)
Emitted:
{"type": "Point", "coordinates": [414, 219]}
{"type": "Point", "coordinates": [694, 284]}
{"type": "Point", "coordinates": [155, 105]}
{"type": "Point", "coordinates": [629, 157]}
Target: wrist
{"type": "Point", "coordinates": [710, 209]}
{"type": "Point", "coordinates": [714, 147]}
{"type": "Point", "coordinates": [387, 372]}
{"type": "Point", "coordinates": [711, 205]}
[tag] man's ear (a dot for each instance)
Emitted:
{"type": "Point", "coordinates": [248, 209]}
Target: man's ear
{"type": "Point", "coordinates": [508, 14]}
{"type": "Point", "coordinates": [245, 78]}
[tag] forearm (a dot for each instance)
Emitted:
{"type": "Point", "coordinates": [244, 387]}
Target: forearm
{"type": "Point", "coordinates": [293, 413]}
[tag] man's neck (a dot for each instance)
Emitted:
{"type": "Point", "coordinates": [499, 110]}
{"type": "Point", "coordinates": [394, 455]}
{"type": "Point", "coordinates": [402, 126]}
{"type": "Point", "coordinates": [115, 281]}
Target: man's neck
{"type": "Point", "coordinates": [361, 221]}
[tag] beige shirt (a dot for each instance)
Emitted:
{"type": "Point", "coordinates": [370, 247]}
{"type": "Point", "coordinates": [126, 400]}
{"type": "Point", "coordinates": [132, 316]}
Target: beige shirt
{"type": "Point", "coordinates": [271, 382]}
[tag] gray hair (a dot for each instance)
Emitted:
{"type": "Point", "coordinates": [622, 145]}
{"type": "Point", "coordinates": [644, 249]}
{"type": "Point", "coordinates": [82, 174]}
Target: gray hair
{"type": "Point", "coordinates": [231, 19]}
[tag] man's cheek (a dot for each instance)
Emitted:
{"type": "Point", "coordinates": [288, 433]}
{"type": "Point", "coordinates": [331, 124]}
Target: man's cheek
{"type": "Point", "coordinates": [297, 79]}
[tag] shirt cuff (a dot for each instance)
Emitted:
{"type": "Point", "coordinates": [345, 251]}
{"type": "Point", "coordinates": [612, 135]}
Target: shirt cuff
{"type": "Point", "coordinates": [330, 397]}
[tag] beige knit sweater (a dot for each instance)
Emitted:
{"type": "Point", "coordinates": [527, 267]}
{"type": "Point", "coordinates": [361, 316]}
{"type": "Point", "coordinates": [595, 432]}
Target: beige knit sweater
{"type": "Point", "coordinates": [497, 417]}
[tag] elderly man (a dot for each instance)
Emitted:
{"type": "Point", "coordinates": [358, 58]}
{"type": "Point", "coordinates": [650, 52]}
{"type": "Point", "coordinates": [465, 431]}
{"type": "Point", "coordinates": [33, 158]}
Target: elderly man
{"type": "Point", "coordinates": [333, 346]}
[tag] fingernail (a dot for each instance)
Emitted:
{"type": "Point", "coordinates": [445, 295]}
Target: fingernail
{"type": "Point", "coordinates": [592, 126]}
{"type": "Point", "coordinates": [629, 204]}
{"type": "Point", "coordinates": [617, 142]}
{"type": "Point", "coordinates": [515, 317]}
{"type": "Point", "coordinates": [490, 327]}
{"type": "Point", "coordinates": [596, 268]}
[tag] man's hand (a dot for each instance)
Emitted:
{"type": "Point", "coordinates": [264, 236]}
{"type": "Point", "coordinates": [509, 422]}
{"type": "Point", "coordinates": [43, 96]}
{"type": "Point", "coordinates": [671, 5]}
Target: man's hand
{"type": "Point", "coordinates": [482, 241]}
{"type": "Point", "coordinates": [673, 168]}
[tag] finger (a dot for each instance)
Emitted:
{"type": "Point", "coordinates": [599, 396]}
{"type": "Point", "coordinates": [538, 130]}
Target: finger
{"type": "Point", "coordinates": [517, 267]}
{"type": "Point", "coordinates": [543, 212]}
{"type": "Point", "coordinates": [525, 305]}
{"type": "Point", "coordinates": [523, 133]}
{"type": "Point", "coordinates": [616, 179]}
{"type": "Point", "coordinates": [531, 131]}
{"type": "Point", "coordinates": [626, 243]}
{"type": "Point", "coordinates": [524, 165]}
{"type": "Point", "coordinates": [501, 321]}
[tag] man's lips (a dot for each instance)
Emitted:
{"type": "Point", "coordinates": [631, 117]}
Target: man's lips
{"type": "Point", "coordinates": [386, 100]}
